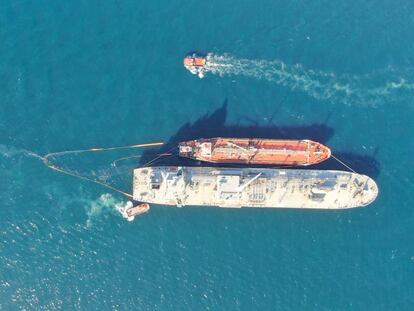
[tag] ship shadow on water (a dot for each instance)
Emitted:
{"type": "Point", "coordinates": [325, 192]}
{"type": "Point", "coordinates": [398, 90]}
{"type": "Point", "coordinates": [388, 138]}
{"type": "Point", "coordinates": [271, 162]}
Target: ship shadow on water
{"type": "Point", "coordinates": [214, 125]}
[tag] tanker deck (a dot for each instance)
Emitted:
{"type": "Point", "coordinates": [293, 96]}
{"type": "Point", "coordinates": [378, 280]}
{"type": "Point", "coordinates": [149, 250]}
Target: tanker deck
{"type": "Point", "coordinates": [252, 187]}
{"type": "Point", "coordinates": [255, 151]}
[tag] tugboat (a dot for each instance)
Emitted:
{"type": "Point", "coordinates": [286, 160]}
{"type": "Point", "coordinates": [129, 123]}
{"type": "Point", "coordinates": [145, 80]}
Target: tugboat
{"type": "Point", "coordinates": [130, 211]}
{"type": "Point", "coordinates": [196, 63]}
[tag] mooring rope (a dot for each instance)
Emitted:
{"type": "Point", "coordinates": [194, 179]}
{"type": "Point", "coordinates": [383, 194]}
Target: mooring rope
{"type": "Point", "coordinates": [137, 156]}
{"type": "Point", "coordinates": [348, 167]}
{"type": "Point", "coordinates": [102, 149]}
{"type": "Point", "coordinates": [157, 158]}
{"type": "Point", "coordinates": [66, 172]}
{"type": "Point", "coordinates": [46, 161]}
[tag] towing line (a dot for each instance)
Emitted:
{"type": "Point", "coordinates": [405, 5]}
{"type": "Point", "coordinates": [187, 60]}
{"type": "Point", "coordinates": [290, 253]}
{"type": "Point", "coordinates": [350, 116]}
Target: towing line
{"type": "Point", "coordinates": [47, 162]}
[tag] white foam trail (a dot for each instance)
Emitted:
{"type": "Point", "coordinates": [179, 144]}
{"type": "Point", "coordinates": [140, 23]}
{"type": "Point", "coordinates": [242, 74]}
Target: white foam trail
{"type": "Point", "coordinates": [105, 205]}
{"type": "Point", "coordinates": [122, 209]}
{"type": "Point", "coordinates": [320, 85]}
{"type": "Point", "coordinates": [10, 152]}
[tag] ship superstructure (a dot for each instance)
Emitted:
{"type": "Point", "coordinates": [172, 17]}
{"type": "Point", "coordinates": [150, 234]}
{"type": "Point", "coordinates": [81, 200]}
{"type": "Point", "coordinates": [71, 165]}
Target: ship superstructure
{"type": "Point", "coordinates": [252, 187]}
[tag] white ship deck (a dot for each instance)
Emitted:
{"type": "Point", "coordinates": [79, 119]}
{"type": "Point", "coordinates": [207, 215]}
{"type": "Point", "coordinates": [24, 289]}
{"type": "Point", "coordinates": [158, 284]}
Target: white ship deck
{"type": "Point", "coordinates": [252, 187]}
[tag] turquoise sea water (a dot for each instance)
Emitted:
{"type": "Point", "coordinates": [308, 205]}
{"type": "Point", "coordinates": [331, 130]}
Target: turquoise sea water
{"type": "Point", "coordinates": [81, 74]}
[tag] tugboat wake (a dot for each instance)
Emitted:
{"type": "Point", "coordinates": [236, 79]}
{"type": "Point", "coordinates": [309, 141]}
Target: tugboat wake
{"type": "Point", "coordinates": [324, 86]}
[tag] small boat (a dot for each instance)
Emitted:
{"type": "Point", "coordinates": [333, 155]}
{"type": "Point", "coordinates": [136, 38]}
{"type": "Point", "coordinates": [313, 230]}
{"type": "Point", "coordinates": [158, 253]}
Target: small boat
{"type": "Point", "coordinates": [255, 151]}
{"type": "Point", "coordinates": [131, 211]}
{"type": "Point", "coordinates": [196, 63]}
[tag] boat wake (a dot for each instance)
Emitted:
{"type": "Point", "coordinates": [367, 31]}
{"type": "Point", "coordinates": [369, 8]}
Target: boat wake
{"type": "Point", "coordinates": [372, 89]}
{"type": "Point", "coordinates": [11, 152]}
{"type": "Point", "coordinates": [104, 206]}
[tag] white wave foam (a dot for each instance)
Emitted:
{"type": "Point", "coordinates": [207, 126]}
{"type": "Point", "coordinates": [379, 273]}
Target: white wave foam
{"type": "Point", "coordinates": [10, 152]}
{"type": "Point", "coordinates": [105, 205]}
{"type": "Point", "coordinates": [122, 209]}
{"type": "Point", "coordinates": [320, 85]}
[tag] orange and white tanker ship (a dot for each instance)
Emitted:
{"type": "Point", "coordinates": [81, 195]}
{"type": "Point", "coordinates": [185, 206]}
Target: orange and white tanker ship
{"type": "Point", "coordinates": [255, 151]}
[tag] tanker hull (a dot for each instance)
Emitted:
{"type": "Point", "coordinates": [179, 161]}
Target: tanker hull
{"type": "Point", "coordinates": [255, 151]}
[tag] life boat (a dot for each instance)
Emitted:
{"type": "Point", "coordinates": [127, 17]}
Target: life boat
{"type": "Point", "coordinates": [132, 211]}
